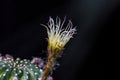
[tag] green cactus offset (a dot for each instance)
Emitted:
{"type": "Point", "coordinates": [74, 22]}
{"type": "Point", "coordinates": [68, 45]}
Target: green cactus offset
{"type": "Point", "coordinates": [11, 69]}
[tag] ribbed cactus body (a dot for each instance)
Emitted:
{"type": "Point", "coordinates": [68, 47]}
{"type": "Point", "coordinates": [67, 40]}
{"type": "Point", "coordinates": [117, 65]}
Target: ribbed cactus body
{"type": "Point", "coordinates": [18, 70]}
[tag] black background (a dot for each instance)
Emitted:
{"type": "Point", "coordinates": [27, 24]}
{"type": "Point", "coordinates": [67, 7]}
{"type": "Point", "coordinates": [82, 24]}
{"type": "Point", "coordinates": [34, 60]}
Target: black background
{"type": "Point", "coordinates": [21, 34]}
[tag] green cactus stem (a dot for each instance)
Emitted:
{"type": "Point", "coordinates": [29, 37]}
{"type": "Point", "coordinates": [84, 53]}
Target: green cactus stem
{"type": "Point", "coordinates": [11, 69]}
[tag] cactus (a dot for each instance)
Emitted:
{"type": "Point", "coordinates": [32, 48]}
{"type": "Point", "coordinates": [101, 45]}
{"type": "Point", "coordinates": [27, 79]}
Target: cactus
{"type": "Point", "coordinates": [11, 69]}
{"type": "Point", "coordinates": [18, 69]}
